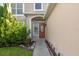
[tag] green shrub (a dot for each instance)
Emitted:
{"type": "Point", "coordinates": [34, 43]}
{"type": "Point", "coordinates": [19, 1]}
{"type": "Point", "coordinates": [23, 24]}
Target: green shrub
{"type": "Point", "coordinates": [12, 33]}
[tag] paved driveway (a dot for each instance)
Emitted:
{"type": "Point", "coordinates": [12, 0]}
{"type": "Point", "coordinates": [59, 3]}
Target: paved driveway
{"type": "Point", "coordinates": [41, 48]}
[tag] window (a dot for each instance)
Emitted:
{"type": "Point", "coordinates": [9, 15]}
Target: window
{"type": "Point", "coordinates": [38, 7]}
{"type": "Point", "coordinates": [17, 8]}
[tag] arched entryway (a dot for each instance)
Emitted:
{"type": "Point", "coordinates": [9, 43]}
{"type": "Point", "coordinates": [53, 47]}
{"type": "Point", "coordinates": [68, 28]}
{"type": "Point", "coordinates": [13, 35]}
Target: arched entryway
{"type": "Point", "coordinates": [38, 28]}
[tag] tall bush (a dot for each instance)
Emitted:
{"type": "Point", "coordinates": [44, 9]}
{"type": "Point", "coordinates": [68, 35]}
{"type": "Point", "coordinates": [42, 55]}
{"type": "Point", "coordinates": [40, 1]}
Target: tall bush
{"type": "Point", "coordinates": [12, 33]}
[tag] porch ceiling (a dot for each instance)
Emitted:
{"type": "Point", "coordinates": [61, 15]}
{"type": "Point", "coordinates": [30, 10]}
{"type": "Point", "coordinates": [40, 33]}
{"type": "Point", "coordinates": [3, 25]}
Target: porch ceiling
{"type": "Point", "coordinates": [28, 13]}
{"type": "Point", "coordinates": [37, 19]}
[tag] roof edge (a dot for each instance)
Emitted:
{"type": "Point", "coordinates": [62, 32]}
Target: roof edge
{"type": "Point", "coordinates": [50, 8]}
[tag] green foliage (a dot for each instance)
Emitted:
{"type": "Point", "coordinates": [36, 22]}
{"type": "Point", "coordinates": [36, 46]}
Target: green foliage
{"type": "Point", "coordinates": [12, 33]}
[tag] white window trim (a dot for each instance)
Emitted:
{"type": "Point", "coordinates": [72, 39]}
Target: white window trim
{"type": "Point", "coordinates": [38, 9]}
{"type": "Point", "coordinates": [17, 14]}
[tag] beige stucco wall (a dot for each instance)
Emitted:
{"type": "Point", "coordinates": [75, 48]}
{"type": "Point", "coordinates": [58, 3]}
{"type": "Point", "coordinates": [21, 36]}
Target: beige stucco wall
{"type": "Point", "coordinates": [29, 8]}
{"type": "Point", "coordinates": [63, 28]}
{"type": "Point", "coordinates": [21, 18]}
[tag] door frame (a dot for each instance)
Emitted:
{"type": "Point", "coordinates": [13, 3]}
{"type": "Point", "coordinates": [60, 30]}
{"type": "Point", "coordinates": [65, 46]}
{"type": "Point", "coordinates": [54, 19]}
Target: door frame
{"type": "Point", "coordinates": [40, 34]}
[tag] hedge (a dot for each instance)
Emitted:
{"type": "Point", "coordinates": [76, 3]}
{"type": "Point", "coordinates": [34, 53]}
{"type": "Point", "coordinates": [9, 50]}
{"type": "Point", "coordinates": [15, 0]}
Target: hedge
{"type": "Point", "coordinates": [12, 32]}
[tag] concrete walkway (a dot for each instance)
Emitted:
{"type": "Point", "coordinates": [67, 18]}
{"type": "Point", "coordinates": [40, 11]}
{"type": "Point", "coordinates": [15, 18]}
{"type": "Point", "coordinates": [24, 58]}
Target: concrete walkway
{"type": "Point", "coordinates": [41, 48]}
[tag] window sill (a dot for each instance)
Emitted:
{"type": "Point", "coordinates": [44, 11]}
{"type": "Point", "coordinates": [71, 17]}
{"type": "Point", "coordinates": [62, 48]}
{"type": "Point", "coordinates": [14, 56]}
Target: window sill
{"type": "Point", "coordinates": [19, 15]}
{"type": "Point", "coordinates": [38, 10]}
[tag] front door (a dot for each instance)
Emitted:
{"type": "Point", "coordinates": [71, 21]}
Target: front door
{"type": "Point", "coordinates": [42, 30]}
{"type": "Point", "coordinates": [38, 29]}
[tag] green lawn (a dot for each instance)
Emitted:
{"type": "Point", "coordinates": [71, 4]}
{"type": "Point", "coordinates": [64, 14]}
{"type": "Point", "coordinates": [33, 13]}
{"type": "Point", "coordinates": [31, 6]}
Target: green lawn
{"type": "Point", "coordinates": [14, 51]}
